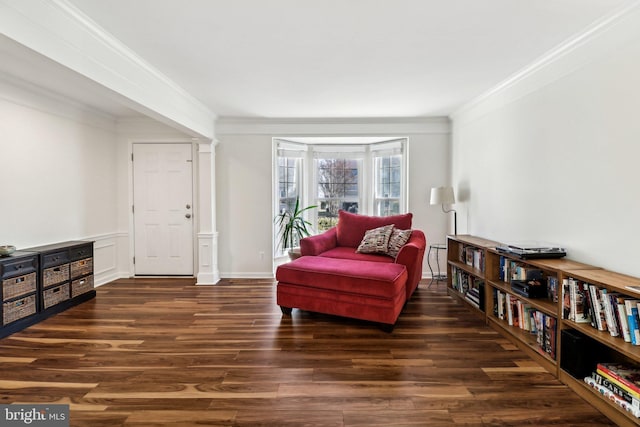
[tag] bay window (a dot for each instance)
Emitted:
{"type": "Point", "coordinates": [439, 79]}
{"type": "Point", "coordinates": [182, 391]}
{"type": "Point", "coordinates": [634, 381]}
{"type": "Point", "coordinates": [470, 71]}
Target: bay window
{"type": "Point", "coordinates": [368, 178]}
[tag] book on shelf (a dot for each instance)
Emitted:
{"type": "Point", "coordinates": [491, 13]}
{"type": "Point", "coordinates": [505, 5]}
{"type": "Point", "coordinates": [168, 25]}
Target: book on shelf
{"type": "Point", "coordinates": [631, 398]}
{"type": "Point", "coordinates": [575, 301]}
{"type": "Point", "coordinates": [582, 306]}
{"type": "Point", "coordinates": [500, 304]}
{"type": "Point", "coordinates": [545, 330]}
{"type": "Point", "coordinates": [612, 325]}
{"type": "Point", "coordinates": [566, 299]}
{"type": "Point", "coordinates": [513, 313]}
{"type": "Point", "coordinates": [510, 269]}
{"type": "Point", "coordinates": [624, 322]}
{"type": "Point", "coordinates": [588, 304]}
{"type": "Point", "coordinates": [612, 312]}
{"type": "Point", "coordinates": [475, 294]}
{"type": "Point", "coordinates": [549, 346]}
{"type": "Point", "coordinates": [628, 377]}
{"type": "Point", "coordinates": [614, 297]}
{"type": "Point", "coordinates": [552, 288]}
{"type": "Point", "coordinates": [473, 257]}
{"type": "Point", "coordinates": [597, 308]}
{"type": "Point", "coordinates": [631, 308]}
{"type": "Point", "coordinates": [612, 396]}
{"type": "Point", "coordinates": [460, 280]}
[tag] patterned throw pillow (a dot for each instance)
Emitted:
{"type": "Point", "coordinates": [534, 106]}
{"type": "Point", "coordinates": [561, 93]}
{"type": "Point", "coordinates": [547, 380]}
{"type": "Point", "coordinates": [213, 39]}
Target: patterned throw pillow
{"type": "Point", "coordinates": [397, 241]}
{"type": "Point", "coordinates": [376, 240]}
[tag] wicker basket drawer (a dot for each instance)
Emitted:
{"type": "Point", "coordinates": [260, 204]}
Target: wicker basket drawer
{"type": "Point", "coordinates": [16, 286]}
{"type": "Point", "coordinates": [55, 275]}
{"type": "Point", "coordinates": [55, 295]}
{"type": "Point", "coordinates": [81, 286]}
{"type": "Point", "coordinates": [18, 309]}
{"type": "Point", "coordinates": [81, 267]}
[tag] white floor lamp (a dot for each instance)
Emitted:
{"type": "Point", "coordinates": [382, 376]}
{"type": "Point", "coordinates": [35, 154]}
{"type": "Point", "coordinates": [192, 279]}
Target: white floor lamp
{"type": "Point", "coordinates": [444, 196]}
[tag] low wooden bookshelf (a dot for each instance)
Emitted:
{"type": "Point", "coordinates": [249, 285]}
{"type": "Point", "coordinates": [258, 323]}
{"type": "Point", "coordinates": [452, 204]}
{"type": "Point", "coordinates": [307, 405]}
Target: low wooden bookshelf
{"type": "Point", "coordinates": [474, 262]}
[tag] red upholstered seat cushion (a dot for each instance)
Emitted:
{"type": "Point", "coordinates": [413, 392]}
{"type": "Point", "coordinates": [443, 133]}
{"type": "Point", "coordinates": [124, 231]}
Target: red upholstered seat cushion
{"type": "Point", "coordinates": [384, 280]}
{"type": "Point", "coordinates": [351, 227]}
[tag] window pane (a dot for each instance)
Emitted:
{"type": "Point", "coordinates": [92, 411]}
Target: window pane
{"type": "Point", "coordinates": [387, 207]}
{"type": "Point", "coordinates": [351, 190]}
{"type": "Point", "coordinates": [351, 164]}
{"type": "Point", "coordinates": [395, 175]}
{"type": "Point", "coordinates": [395, 190]}
{"type": "Point", "coordinates": [337, 189]}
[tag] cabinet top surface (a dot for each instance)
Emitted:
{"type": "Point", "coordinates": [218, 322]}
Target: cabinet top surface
{"type": "Point", "coordinates": [473, 240]}
{"type": "Point", "coordinates": [63, 245]}
{"type": "Point", "coordinates": [16, 255]}
{"type": "Point", "coordinates": [608, 278]}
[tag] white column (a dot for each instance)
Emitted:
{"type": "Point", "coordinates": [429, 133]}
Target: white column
{"type": "Point", "coordinates": [207, 235]}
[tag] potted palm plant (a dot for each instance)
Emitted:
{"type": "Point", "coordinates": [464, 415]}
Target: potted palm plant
{"type": "Point", "coordinates": [292, 227]}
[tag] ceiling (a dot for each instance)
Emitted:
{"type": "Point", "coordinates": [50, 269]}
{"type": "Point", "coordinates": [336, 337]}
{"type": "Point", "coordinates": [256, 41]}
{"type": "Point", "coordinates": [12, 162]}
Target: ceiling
{"type": "Point", "coordinates": [341, 58]}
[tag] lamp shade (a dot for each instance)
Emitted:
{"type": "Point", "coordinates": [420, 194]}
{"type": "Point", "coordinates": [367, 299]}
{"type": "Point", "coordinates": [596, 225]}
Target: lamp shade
{"type": "Point", "coordinates": [442, 196]}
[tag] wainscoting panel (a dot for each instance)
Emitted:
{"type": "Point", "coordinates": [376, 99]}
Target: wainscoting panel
{"type": "Point", "coordinates": [107, 250]}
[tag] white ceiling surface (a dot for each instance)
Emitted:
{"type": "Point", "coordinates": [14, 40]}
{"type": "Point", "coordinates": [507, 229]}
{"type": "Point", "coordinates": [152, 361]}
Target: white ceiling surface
{"type": "Point", "coordinates": [342, 58]}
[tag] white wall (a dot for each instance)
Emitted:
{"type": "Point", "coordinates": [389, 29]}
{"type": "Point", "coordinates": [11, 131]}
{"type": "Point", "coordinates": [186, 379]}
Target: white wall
{"type": "Point", "coordinates": [244, 181]}
{"type": "Point", "coordinates": [58, 163]}
{"type": "Point", "coordinates": [554, 156]}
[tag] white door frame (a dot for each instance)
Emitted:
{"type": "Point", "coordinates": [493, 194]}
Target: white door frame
{"type": "Point", "coordinates": [194, 184]}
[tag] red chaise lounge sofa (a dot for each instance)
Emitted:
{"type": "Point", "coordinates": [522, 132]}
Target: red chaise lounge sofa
{"type": "Point", "coordinates": [334, 277]}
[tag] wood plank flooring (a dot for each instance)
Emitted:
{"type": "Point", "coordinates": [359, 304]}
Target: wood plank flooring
{"type": "Point", "coordinates": [168, 353]}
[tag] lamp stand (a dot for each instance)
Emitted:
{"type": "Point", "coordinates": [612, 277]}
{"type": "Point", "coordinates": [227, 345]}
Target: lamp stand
{"type": "Point", "coordinates": [455, 219]}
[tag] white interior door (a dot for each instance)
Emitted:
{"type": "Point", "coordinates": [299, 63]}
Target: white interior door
{"type": "Point", "coordinates": [163, 209]}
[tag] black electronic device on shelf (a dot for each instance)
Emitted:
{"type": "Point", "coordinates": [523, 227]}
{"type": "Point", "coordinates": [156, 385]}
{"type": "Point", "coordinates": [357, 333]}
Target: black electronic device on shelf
{"type": "Point", "coordinates": [532, 287]}
{"type": "Point", "coordinates": [529, 288]}
{"type": "Point", "coordinates": [531, 250]}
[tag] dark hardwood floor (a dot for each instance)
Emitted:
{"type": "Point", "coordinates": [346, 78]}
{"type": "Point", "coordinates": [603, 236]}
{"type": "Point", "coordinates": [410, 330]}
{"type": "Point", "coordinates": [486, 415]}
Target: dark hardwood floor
{"type": "Point", "coordinates": [166, 352]}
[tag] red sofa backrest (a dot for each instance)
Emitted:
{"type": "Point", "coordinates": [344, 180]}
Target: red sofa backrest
{"type": "Point", "coordinates": [351, 227]}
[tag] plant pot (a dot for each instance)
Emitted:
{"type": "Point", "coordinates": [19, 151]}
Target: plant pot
{"type": "Point", "coordinates": [294, 253]}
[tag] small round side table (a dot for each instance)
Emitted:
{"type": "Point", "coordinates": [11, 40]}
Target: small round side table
{"type": "Point", "coordinates": [440, 276]}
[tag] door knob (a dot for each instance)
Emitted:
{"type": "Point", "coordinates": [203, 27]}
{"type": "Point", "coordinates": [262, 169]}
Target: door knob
{"type": "Point", "coordinates": [187, 215]}
{"type": "Point", "coordinates": [188, 206]}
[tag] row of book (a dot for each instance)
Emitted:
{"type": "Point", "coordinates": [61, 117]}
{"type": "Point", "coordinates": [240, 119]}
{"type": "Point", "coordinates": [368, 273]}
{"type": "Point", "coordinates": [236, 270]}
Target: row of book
{"type": "Point", "coordinates": [614, 312]}
{"type": "Point", "coordinates": [471, 287]}
{"type": "Point", "coordinates": [520, 314]}
{"type": "Point", "coordinates": [473, 297]}
{"type": "Point", "coordinates": [513, 270]}
{"type": "Point", "coordinates": [618, 383]}
{"type": "Point", "coordinates": [473, 257]}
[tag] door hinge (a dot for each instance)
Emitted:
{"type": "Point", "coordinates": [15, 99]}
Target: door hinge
{"type": "Point", "coordinates": [133, 209]}
{"type": "Point", "coordinates": [132, 157]}
{"type": "Point", "coordinates": [134, 260]}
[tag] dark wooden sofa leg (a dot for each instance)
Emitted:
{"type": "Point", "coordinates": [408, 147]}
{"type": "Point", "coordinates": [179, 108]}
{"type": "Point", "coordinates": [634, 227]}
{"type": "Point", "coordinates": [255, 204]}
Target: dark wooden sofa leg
{"type": "Point", "coordinates": [387, 327]}
{"type": "Point", "coordinates": [286, 310]}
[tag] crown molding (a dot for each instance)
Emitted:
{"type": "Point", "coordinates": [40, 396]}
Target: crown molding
{"type": "Point", "coordinates": [333, 126]}
{"type": "Point", "coordinates": [594, 42]}
{"type": "Point", "coordinates": [59, 31]}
